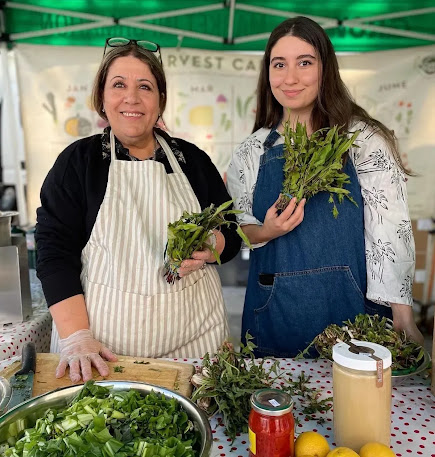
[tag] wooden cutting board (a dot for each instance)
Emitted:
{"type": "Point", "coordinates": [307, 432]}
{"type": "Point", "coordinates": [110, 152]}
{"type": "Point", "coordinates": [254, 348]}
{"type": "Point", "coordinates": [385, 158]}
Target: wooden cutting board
{"type": "Point", "coordinates": [171, 375]}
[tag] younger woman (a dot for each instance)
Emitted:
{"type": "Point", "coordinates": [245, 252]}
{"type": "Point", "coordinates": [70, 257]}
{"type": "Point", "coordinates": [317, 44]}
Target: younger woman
{"type": "Point", "coordinates": [309, 269]}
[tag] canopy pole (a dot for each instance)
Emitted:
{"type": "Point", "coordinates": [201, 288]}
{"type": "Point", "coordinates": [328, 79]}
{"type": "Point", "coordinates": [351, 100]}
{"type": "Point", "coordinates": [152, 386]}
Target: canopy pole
{"type": "Point", "coordinates": [57, 30]}
{"type": "Point", "coordinates": [397, 14]}
{"type": "Point", "coordinates": [389, 30]}
{"type": "Point", "coordinates": [40, 9]}
{"type": "Point", "coordinates": [171, 31]}
{"type": "Point", "coordinates": [231, 21]}
{"type": "Point", "coordinates": [177, 12]}
{"type": "Point", "coordinates": [10, 129]}
{"type": "Point", "coordinates": [248, 38]}
{"type": "Point", "coordinates": [282, 13]}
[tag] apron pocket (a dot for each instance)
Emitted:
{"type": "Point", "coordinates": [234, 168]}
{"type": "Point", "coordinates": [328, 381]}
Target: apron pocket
{"type": "Point", "coordinates": [301, 304]}
{"type": "Point", "coordinates": [373, 308]}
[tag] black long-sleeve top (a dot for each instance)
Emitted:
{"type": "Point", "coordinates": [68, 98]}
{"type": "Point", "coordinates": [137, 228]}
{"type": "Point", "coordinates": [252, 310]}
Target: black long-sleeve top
{"type": "Point", "coordinates": [71, 197]}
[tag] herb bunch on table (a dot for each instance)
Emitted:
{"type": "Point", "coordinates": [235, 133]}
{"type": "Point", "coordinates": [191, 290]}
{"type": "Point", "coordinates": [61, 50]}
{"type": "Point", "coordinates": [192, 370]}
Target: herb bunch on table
{"type": "Point", "coordinates": [229, 378]}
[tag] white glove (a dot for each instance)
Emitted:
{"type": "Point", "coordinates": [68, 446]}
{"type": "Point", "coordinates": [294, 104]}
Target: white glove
{"type": "Point", "coordinates": [79, 351]}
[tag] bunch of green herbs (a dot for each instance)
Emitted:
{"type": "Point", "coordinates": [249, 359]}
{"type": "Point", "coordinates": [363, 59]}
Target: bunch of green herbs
{"type": "Point", "coordinates": [100, 422]}
{"type": "Point", "coordinates": [229, 378]}
{"type": "Point", "coordinates": [191, 233]}
{"type": "Point", "coordinates": [375, 329]}
{"type": "Point", "coordinates": [314, 163]}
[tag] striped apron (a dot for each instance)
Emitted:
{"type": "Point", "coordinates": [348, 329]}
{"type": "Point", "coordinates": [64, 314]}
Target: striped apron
{"type": "Point", "coordinates": [132, 309]}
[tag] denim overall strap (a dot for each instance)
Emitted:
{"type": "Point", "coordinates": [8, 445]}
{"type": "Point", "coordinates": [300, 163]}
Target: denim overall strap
{"type": "Point", "coordinates": [313, 276]}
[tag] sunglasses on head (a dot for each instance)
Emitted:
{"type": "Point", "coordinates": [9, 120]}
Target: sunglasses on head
{"type": "Point", "coordinates": [116, 42]}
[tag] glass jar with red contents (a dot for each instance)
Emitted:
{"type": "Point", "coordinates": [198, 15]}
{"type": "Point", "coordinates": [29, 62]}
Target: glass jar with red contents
{"type": "Point", "coordinates": [271, 424]}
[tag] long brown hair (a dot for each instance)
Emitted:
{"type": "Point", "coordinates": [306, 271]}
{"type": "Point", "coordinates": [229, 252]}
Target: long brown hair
{"type": "Point", "coordinates": [334, 104]}
{"type": "Point", "coordinates": [143, 55]}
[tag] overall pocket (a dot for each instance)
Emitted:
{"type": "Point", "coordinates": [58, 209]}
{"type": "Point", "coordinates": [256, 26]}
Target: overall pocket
{"type": "Point", "coordinates": [301, 304]}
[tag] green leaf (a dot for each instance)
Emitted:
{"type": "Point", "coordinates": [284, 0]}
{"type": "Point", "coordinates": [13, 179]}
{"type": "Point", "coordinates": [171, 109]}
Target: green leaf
{"type": "Point", "coordinates": [224, 206]}
{"type": "Point", "coordinates": [244, 237]}
{"type": "Point", "coordinates": [190, 233]}
{"type": "Point", "coordinates": [314, 163]}
{"type": "Point", "coordinates": [239, 107]}
{"type": "Point", "coordinates": [246, 104]}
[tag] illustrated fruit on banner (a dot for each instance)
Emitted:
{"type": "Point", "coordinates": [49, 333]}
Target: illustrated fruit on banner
{"type": "Point", "coordinates": [78, 126]}
{"type": "Point", "coordinates": [201, 116]}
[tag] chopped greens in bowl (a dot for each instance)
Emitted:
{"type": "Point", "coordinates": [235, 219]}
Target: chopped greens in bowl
{"type": "Point", "coordinates": [100, 421]}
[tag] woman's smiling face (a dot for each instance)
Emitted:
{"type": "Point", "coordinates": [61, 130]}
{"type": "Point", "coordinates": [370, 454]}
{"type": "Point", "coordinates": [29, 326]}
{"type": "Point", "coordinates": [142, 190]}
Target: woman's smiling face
{"type": "Point", "coordinates": [131, 101]}
{"type": "Point", "coordinates": [294, 74]}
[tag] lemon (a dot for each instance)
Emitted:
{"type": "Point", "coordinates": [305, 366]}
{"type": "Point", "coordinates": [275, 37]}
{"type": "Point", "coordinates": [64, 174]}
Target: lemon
{"type": "Point", "coordinates": [342, 452]}
{"type": "Point", "coordinates": [311, 444]}
{"type": "Point", "coordinates": [376, 450]}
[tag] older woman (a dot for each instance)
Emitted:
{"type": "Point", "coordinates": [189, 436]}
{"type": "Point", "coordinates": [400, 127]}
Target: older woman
{"type": "Point", "coordinates": [102, 229]}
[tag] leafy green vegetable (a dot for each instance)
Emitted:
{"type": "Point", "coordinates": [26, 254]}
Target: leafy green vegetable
{"type": "Point", "coordinates": [308, 399]}
{"type": "Point", "coordinates": [191, 233]}
{"type": "Point", "coordinates": [229, 378]}
{"type": "Point", "coordinates": [118, 369]}
{"type": "Point", "coordinates": [375, 329]}
{"type": "Point", "coordinates": [313, 163]}
{"type": "Point", "coordinates": [100, 422]}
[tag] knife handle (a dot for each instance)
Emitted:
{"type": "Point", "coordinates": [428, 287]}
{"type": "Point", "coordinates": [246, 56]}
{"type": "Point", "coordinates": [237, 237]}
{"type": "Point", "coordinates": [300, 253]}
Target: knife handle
{"type": "Point", "coordinates": [28, 359]}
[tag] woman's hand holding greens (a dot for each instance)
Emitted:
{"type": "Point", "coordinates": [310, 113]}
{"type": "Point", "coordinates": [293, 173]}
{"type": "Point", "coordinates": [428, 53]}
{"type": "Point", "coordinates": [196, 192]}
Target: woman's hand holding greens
{"type": "Point", "coordinates": [276, 223]}
{"type": "Point", "coordinates": [403, 319]}
{"type": "Point", "coordinates": [201, 257]}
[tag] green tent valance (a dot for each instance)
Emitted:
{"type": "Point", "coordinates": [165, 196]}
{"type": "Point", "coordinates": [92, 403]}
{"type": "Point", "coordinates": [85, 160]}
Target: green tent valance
{"type": "Point", "coordinates": [242, 25]}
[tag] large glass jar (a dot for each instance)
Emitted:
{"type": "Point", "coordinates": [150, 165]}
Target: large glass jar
{"type": "Point", "coordinates": [271, 424]}
{"type": "Point", "coordinates": [362, 394]}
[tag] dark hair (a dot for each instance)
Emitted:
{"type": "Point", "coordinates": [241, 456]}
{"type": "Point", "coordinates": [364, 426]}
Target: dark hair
{"type": "Point", "coordinates": [334, 104]}
{"type": "Point", "coordinates": [143, 55]}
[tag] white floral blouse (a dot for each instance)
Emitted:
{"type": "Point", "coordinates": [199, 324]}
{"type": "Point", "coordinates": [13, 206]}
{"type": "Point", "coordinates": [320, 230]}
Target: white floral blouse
{"type": "Point", "coordinates": [390, 251]}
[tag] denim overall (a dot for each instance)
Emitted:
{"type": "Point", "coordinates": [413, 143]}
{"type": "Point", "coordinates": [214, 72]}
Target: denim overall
{"type": "Point", "coordinates": [311, 277]}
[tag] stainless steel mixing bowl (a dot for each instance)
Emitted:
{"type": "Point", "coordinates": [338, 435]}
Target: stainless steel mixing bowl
{"type": "Point", "coordinates": [5, 394]}
{"type": "Point", "coordinates": [35, 407]}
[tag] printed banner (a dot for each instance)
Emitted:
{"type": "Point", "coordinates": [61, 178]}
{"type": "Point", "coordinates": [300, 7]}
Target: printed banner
{"type": "Point", "coordinates": [398, 88]}
{"type": "Point", "coordinates": [211, 102]}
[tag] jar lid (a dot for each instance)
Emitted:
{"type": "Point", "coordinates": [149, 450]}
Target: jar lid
{"type": "Point", "coordinates": [271, 402]}
{"type": "Point", "coordinates": [348, 357]}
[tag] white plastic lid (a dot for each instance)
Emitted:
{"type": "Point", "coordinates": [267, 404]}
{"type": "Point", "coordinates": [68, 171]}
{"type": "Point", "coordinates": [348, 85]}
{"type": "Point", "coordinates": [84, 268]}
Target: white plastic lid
{"type": "Point", "coordinates": [343, 355]}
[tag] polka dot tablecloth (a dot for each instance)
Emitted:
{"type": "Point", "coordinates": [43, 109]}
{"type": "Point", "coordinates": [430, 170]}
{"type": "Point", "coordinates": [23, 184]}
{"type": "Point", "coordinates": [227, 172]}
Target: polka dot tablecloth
{"type": "Point", "coordinates": [412, 417]}
{"type": "Point", "coordinates": [36, 329]}
{"type": "Point", "coordinates": [413, 406]}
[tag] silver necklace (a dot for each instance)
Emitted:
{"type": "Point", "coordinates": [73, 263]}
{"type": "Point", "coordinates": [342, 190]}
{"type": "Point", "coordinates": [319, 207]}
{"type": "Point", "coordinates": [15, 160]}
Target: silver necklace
{"type": "Point", "coordinates": [156, 146]}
